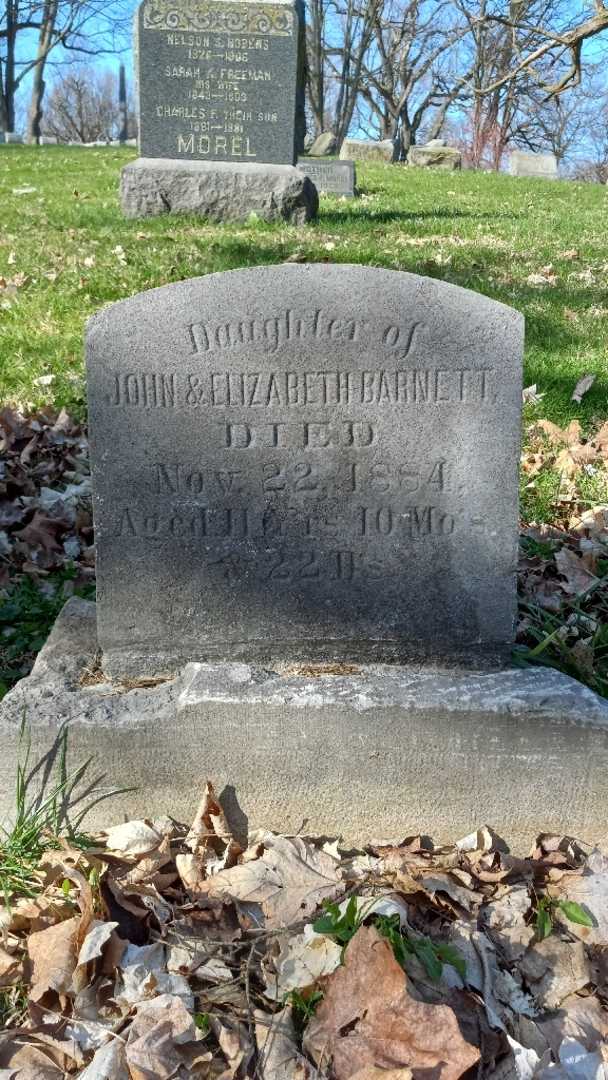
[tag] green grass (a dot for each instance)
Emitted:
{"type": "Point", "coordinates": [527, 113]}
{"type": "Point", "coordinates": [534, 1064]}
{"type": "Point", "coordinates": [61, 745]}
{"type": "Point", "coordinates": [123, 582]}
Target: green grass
{"type": "Point", "coordinates": [27, 615]}
{"type": "Point", "coordinates": [481, 231]}
{"type": "Point", "coordinates": [65, 251]}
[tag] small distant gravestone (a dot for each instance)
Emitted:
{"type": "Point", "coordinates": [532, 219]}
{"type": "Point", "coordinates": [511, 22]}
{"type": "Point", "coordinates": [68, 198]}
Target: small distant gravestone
{"type": "Point", "coordinates": [324, 144]}
{"type": "Point", "coordinates": [364, 150]}
{"type": "Point", "coordinates": [11, 137]}
{"type": "Point", "coordinates": [435, 155]}
{"type": "Point", "coordinates": [220, 83]}
{"type": "Point", "coordinates": [332, 177]}
{"type": "Point", "coordinates": [305, 462]}
{"type": "Point", "coordinates": [48, 140]}
{"type": "Point", "coordinates": [543, 166]}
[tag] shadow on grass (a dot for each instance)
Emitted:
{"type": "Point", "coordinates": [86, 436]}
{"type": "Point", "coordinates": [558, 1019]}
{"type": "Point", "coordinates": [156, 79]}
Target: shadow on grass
{"type": "Point", "coordinates": [367, 216]}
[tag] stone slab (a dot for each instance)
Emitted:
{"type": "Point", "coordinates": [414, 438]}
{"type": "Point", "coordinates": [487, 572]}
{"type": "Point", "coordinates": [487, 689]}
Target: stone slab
{"type": "Point", "coordinates": [305, 461]}
{"type": "Point", "coordinates": [220, 80]}
{"type": "Point", "coordinates": [217, 190]}
{"type": "Point", "coordinates": [435, 157]}
{"type": "Point", "coordinates": [382, 752]}
{"type": "Point", "coordinates": [330, 177]}
{"type": "Point", "coordinates": [323, 145]}
{"type": "Point", "coordinates": [12, 138]}
{"type": "Point", "coordinates": [364, 150]}
{"type": "Point", "coordinates": [543, 166]}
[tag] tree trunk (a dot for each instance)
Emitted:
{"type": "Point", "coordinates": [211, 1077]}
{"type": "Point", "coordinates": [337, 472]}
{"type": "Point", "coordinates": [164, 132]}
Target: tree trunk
{"type": "Point", "coordinates": [7, 107]}
{"type": "Point", "coordinates": [45, 41]}
{"type": "Point", "coordinates": [315, 60]}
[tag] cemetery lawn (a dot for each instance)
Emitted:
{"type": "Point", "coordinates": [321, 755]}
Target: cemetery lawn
{"type": "Point", "coordinates": [539, 246]}
{"type": "Point", "coordinates": [65, 251]}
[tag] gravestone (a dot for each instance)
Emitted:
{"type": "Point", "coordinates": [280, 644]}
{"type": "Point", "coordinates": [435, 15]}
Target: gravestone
{"type": "Point", "coordinates": [310, 462]}
{"type": "Point", "coordinates": [218, 79]}
{"type": "Point", "coordinates": [294, 465]}
{"type": "Point", "coordinates": [220, 82]}
{"type": "Point", "coordinates": [323, 145]}
{"type": "Point", "coordinates": [364, 150]}
{"type": "Point", "coordinates": [543, 166]}
{"type": "Point", "coordinates": [433, 156]}
{"type": "Point", "coordinates": [332, 177]}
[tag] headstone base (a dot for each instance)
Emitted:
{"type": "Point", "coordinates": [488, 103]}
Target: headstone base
{"type": "Point", "coordinates": [378, 752]}
{"type": "Point", "coordinates": [435, 157]}
{"type": "Point", "coordinates": [218, 190]}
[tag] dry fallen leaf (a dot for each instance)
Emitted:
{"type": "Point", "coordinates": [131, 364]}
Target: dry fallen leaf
{"type": "Point", "coordinates": [289, 880]}
{"type": "Point", "coordinates": [154, 1046]}
{"type": "Point", "coordinates": [279, 1057]}
{"type": "Point", "coordinates": [368, 1017]}
{"type": "Point", "coordinates": [133, 838]}
{"type": "Point", "coordinates": [581, 388]}
{"type": "Point", "coordinates": [573, 569]}
{"type": "Point", "coordinates": [211, 844]}
{"type": "Point", "coordinates": [303, 960]}
{"type": "Point", "coordinates": [53, 957]}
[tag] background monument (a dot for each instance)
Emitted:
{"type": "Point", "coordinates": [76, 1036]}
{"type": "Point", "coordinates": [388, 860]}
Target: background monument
{"type": "Point", "coordinates": [220, 85]}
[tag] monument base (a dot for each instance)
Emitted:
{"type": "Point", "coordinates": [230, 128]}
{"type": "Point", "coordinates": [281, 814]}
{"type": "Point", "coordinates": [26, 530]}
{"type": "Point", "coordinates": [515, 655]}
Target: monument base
{"type": "Point", "coordinates": [218, 190]}
{"type": "Point", "coordinates": [380, 752]}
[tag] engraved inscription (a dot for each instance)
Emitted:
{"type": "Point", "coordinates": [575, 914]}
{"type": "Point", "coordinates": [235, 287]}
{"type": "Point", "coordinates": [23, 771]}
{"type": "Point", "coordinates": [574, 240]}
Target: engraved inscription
{"type": "Point", "coordinates": [303, 461]}
{"type": "Point", "coordinates": [218, 80]}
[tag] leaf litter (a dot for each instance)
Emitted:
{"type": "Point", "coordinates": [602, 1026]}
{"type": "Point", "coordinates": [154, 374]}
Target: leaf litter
{"type": "Point", "coordinates": [293, 959]}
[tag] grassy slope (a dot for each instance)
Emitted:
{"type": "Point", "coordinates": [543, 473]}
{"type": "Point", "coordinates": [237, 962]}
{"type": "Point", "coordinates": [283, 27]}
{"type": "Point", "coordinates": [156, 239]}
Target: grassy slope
{"type": "Point", "coordinates": [478, 230]}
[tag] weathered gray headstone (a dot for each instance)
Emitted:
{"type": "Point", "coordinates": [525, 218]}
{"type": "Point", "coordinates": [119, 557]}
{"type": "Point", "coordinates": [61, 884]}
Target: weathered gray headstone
{"type": "Point", "coordinates": [364, 150]}
{"type": "Point", "coordinates": [48, 140]}
{"type": "Point", "coordinates": [543, 166]}
{"type": "Point", "coordinates": [333, 177]}
{"type": "Point", "coordinates": [219, 79]}
{"type": "Point", "coordinates": [324, 144]}
{"type": "Point", "coordinates": [220, 87]}
{"type": "Point", "coordinates": [305, 461]}
{"type": "Point", "coordinates": [435, 157]}
{"type": "Point", "coordinates": [13, 137]}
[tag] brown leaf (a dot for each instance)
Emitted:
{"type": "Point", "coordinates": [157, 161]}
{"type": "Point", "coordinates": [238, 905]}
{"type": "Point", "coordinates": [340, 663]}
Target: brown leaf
{"type": "Point", "coordinates": [289, 880]}
{"type": "Point", "coordinates": [581, 388]}
{"type": "Point", "coordinates": [569, 436]}
{"type": "Point", "coordinates": [53, 956]}
{"type": "Point", "coordinates": [211, 844]}
{"type": "Point", "coordinates": [235, 1043]}
{"type": "Point", "coordinates": [571, 567]}
{"type": "Point", "coordinates": [279, 1057]}
{"type": "Point", "coordinates": [41, 532]}
{"type": "Point", "coordinates": [369, 1018]}
{"type": "Point", "coordinates": [156, 1037]}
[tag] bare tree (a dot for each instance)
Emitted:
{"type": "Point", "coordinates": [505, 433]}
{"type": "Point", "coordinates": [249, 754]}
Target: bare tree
{"type": "Point", "coordinates": [499, 109]}
{"type": "Point", "coordinates": [34, 33]}
{"type": "Point", "coordinates": [338, 36]}
{"type": "Point", "coordinates": [408, 72]}
{"type": "Point", "coordinates": [548, 50]}
{"type": "Point", "coordinates": [84, 106]}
